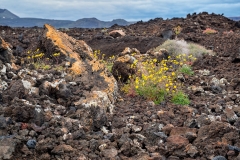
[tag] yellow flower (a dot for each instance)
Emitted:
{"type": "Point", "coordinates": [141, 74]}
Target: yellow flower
{"type": "Point", "coordinates": [174, 87]}
{"type": "Point", "coordinates": [166, 85]}
{"type": "Point", "coordinates": [56, 54]}
{"type": "Point", "coordinates": [173, 74]}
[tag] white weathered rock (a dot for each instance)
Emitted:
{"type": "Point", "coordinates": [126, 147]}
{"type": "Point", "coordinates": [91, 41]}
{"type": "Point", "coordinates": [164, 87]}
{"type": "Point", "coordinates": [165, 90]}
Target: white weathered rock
{"type": "Point", "coordinates": [231, 116]}
{"type": "Point", "coordinates": [204, 72]}
{"type": "Point", "coordinates": [117, 33]}
{"type": "Point", "coordinates": [136, 128]}
{"type": "Point", "coordinates": [26, 84]}
{"type": "Point", "coordinates": [34, 91]}
{"type": "Point", "coordinates": [196, 89]}
{"type": "Point", "coordinates": [98, 98]}
{"type": "Point", "coordinates": [3, 85]}
{"type": "Point", "coordinates": [3, 71]}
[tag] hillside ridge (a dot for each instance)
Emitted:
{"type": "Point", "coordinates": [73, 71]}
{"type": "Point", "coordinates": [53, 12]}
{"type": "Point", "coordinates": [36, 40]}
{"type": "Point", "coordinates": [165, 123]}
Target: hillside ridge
{"type": "Point", "coordinates": [7, 18]}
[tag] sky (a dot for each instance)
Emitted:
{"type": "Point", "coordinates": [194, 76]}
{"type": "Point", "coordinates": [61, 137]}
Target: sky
{"type": "Point", "coordinates": [107, 10]}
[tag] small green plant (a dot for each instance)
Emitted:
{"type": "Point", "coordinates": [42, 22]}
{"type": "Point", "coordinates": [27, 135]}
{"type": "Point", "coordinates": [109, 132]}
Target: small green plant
{"type": "Point", "coordinates": [152, 93]}
{"type": "Point", "coordinates": [180, 98]}
{"type": "Point", "coordinates": [46, 67]}
{"type": "Point", "coordinates": [41, 65]}
{"type": "Point", "coordinates": [59, 68]}
{"type": "Point", "coordinates": [209, 31]}
{"type": "Point", "coordinates": [186, 69]}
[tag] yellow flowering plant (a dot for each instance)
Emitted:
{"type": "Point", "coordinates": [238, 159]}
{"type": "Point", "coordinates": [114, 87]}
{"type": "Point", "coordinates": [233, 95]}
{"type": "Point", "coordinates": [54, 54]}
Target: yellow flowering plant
{"type": "Point", "coordinates": [177, 30]}
{"type": "Point", "coordinates": [108, 62]}
{"type": "Point", "coordinates": [158, 80]}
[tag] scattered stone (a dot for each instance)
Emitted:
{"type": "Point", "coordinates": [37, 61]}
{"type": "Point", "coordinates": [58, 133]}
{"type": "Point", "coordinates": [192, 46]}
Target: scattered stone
{"type": "Point", "coordinates": [233, 148]}
{"type": "Point", "coordinates": [167, 129]}
{"type": "Point", "coordinates": [204, 72]}
{"type": "Point", "coordinates": [45, 156]}
{"type": "Point", "coordinates": [24, 132]}
{"type": "Point", "coordinates": [177, 141]}
{"type": "Point", "coordinates": [231, 116]}
{"type": "Point", "coordinates": [26, 151]}
{"type": "Point", "coordinates": [3, 126]}
{"type": "Point", "coordinates": [31, 144]}
{"type": "Point", "coordinates": [7, 148]}
{"type": "Point", "coordinates": [5, 51]}
{"type": "Point", "coordinates": [130, 51]}
{"type": "Point", "coordinates": [197, 90]}
{"type": "Point", "coordinates": [191, 150]}
{"type": "Point", "coordinates": [219, 158]}
{"type": "Point", "coordinates": [61, 149]}
{"type": "Point", "coordinates": [136, 128]}
{"type": "Point", "coordinates": [110, 153]}
{"type": "Point", "coordinates": [117, 33]}
{"type": "Point", "coordinates": [167, 34]}
{"type": "Point", "coordinates": [176, 145]}
{"type": "Point", "coordinates": [161, 134]}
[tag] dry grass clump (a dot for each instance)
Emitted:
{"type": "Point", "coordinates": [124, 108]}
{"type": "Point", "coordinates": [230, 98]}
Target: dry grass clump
{"type": "Point", "coordinates": [177, 47]}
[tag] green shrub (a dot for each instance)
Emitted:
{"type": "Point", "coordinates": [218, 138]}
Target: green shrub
{"type": "Point", "coordinates": [153, 93]}
{"type": "Point", "coordinates": [180, 98]}
{"type": "Point", "coordinates": [186, 69]}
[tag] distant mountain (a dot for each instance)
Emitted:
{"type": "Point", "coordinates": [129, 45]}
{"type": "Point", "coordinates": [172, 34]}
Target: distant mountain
{"type": "Point", "coordinates": [31, 22]}
{"type": "Point", "coordinates": [234, 18]}
{"type": "Point", "coordinates": [95, 23]}
{"type": "Point", "coordinates": [9, 19]}
{"type": "Point", "coordinates": [5, 14]}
